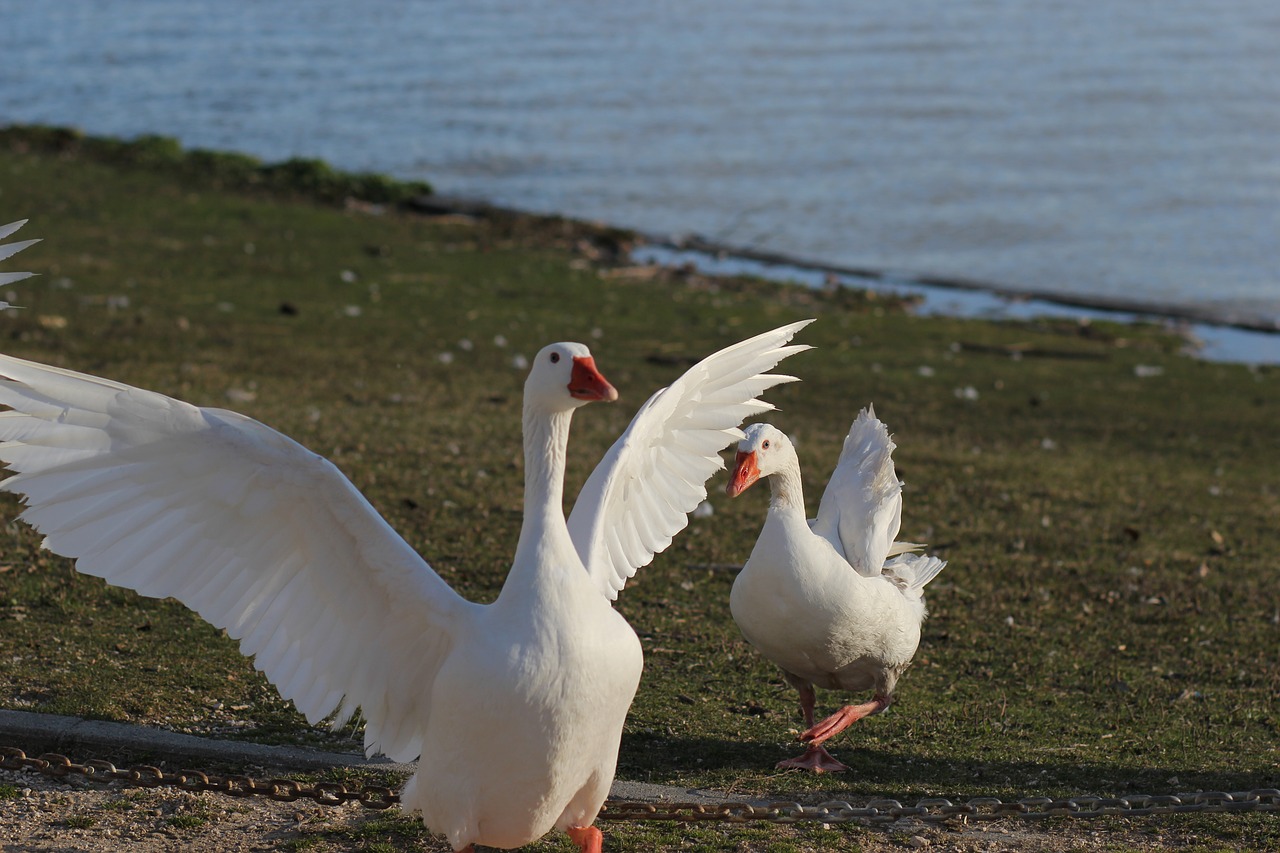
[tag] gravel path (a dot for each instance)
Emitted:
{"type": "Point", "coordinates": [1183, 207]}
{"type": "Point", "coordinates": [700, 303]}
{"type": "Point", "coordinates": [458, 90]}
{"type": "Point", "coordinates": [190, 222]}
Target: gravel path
{"type": "Point", "coordinates": [63, 815]}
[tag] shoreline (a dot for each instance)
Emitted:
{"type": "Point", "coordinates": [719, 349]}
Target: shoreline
{"type": "Point", "coordinates": [1111, 305]}
{"type": "Point", "coordinates": [1207, 340]}
{"type": "Point", "coordinates": [1209, 336]}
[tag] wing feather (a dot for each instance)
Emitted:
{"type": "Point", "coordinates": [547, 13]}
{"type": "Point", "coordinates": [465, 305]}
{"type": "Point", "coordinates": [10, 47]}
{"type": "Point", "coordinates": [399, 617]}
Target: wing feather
{"type": "Point", "coordinates": [255, 533]}
{"type": "Point", "coordinates": [9, 250]}
{"type": "Point", "coordinates": [641, 493]}
{"type": "Point", "coordinates": [914, 571]}
{"type": "Point", "coordinates": [861, 508]}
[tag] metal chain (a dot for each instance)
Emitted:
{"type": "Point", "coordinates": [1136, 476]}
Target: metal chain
{"type": "Point", "coordinates": [875, 813]}
{"type": "Point", "coordinates": [146, 776]}
{"type": "Point", "coordinates": [939, 810]}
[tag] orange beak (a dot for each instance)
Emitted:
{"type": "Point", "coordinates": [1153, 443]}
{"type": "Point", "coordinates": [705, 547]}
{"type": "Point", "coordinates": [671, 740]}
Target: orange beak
{"type": "Point", "coordinates": [745, 472]}
{"type": "Point", "coordinates": [586, 382]}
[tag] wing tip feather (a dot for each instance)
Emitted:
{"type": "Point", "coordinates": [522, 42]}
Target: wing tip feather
{"type": "Point", "coordinates": [740, 368]}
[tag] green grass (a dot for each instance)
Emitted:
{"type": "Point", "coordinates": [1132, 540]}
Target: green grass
{"type": "Point", "coordinates": [186, 821]}
{"type": "Point", "coordinates": [1108, 622]}
{"type": "Point", "coordinates": [123, 804]}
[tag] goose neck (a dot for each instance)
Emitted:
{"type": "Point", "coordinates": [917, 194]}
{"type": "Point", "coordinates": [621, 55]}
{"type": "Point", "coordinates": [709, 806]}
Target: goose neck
{"type": "Point", "coordinates": [545, 554]}
{"type": "Point", "coordinates": [546, 441]}
{"type": "Point", "coordinates": [786, 490]}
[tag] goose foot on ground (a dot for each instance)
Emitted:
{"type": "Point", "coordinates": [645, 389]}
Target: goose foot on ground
{"type": "Point", "coordinates": [815, 758]}
{"type": "Point", "coordinates": [588, 838]}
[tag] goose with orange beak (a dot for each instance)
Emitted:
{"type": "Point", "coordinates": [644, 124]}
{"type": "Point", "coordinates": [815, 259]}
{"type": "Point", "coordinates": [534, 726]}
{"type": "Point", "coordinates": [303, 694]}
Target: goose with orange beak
{"type": "Point", "coordinates": [514, 709]}
{"type": "Point", "coordinates": [834, 601]}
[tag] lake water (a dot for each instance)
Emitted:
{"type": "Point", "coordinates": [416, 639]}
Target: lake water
{"type": "Point", "coordinates": [1097, 149]}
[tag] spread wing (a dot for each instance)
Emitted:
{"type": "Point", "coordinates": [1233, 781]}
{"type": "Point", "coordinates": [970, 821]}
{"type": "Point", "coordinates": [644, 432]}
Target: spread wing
{"type": "Point", "coordinates": [641, 493]}
{"type": "Point", "coordinates": [248, 528]}
{"type": "Point", "coordinates": [11, 249]}
{"type": "Point", "coordinates": [861, 508]}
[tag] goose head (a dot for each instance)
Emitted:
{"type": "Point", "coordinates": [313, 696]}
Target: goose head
{"type": "Point", "coordinates": [563, 377]}
{"type": "Point", "coordinates": [764, 450]}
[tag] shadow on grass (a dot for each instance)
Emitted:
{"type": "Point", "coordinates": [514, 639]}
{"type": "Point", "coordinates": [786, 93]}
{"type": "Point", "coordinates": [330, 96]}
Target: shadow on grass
{"type": "Point", "coordinates": [748, 768]}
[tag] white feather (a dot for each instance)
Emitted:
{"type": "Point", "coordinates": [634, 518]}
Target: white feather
{"type": "Point", "coordinates": [861, 508]}
{"type": "Point", "coordinates": [673, 445]}
{"type": "Point", "coordinates": [8, 250]}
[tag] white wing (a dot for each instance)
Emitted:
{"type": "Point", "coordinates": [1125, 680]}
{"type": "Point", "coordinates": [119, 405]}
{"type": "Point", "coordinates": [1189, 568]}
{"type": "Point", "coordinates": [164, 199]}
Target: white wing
{"type": "Point", "coordinates": [641, 493]}
{"type": "Point", "coordinates": [11, 249]}
{"type": "Point", "coordinates": [248, 528]}
{"type": "Point", "coordinates": [913, 571]}
{"type": "Point", "coordinates": [861, 509]}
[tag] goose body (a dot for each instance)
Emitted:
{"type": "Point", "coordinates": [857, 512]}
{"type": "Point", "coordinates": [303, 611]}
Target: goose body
{"type": "Point", "coordinates": [820, 598]}
{"type": "Point", "coordinates": [534, 695]}
{"type": "Point", "coordinates": [516, 707]}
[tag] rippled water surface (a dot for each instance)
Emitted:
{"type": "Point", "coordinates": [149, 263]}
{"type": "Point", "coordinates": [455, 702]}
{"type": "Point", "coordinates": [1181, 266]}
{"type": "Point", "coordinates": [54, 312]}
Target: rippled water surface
{"type": "Point", "coordinates": [1091, 147]}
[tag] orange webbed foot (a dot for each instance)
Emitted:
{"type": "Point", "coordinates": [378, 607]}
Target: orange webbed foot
{"type": "Point", "coordinates": [588, 838]}
{"type": "Point", "coordinates": [815, 758]}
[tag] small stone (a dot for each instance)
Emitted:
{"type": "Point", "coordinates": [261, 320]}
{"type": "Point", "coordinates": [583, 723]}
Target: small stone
{"type": "Point", "coordinates": [918, 842]}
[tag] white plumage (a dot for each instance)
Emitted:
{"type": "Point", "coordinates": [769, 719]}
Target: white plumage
{"type": "Point", "coordinates": [516, 707]}
{"type": "Point", "coordinates": [821, 598]}
{"type": "Point", "coordinates": [9, 250]}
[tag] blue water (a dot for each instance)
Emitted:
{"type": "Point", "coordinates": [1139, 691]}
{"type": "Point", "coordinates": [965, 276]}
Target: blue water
{"type": "Point", "coordinates": [1085, 147]}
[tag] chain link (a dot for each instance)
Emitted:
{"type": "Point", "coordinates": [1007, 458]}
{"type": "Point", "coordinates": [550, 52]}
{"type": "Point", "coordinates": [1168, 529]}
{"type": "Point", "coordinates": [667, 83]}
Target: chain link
{"type": "Point", "coordinates": [877, 812]}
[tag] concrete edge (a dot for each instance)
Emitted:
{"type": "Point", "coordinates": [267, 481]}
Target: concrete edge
{"type": "Point", "coordinates": [55, 733]}
{"type": "Point", "coordinates": [35, 733]}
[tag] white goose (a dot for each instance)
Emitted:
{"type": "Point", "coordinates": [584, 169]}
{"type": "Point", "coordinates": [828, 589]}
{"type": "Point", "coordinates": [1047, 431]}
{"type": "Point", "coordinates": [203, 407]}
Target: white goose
{"type": "Point", "coordinates": [818, 597]}
{"type": "Point", "coordinates": [516, 708]}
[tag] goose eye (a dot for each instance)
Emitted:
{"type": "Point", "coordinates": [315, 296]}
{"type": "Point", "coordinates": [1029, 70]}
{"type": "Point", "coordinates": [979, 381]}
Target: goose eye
{"type": "Point", "coordinates": [766, 444]}
{"type": "Point", "coordinates": [555, 358]}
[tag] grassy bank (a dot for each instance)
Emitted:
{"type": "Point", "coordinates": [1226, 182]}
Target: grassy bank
{"type": "Point", "coordinates": [1109, 621]}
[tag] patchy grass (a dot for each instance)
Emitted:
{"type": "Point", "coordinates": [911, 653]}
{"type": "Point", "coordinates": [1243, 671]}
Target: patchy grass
{"type": "Point", "coordinates": [1108, 621]}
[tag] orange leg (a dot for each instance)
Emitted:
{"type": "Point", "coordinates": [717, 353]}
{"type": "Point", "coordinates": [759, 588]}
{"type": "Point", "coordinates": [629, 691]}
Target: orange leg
{"type": "Point", "coordinates": [588, 838]}
{"type": "Point", "coordinates": [842, 719]}
{"type": "Point", "coordinates": [807, 700]}
{"type": "Point", "coordinates": [816, 757]}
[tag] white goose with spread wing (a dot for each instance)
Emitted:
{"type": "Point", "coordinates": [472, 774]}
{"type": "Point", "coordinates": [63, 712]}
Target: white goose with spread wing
{"type": "Point", "coordinates": [821, 598]}
{"type": "Point", "coordinates": [516, 707]}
